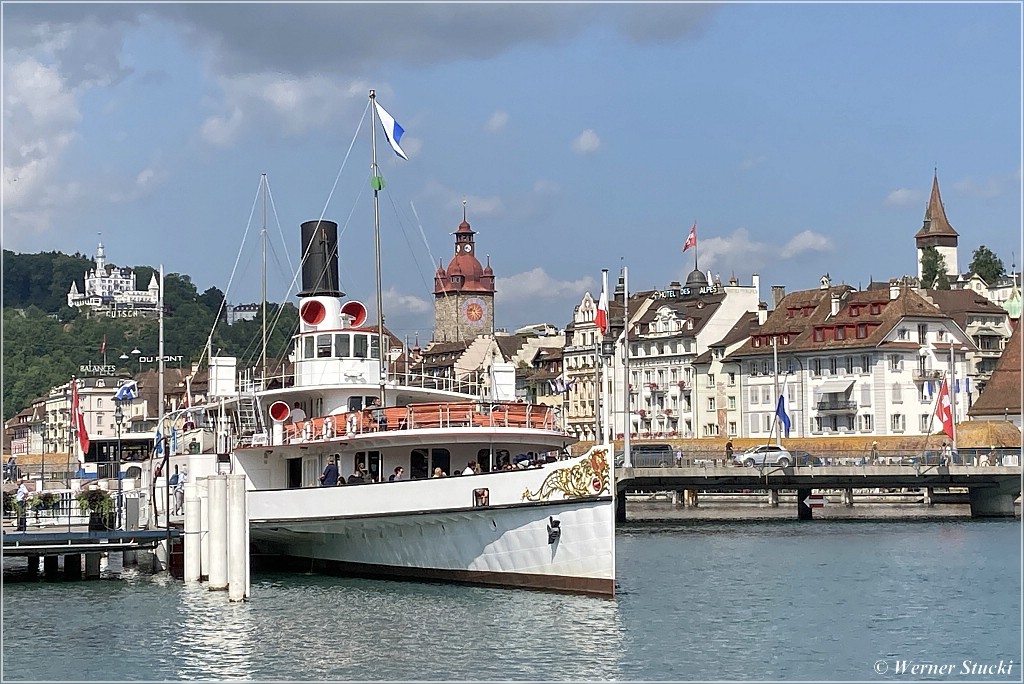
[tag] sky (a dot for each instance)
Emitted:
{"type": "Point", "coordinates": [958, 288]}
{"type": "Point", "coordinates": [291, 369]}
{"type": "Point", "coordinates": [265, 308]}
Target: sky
{"type": "Point", "coordinates": [800, 138]}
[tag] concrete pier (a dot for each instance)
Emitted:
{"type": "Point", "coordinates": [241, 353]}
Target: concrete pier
{"type": "Point", "coordinates": [773, 498]}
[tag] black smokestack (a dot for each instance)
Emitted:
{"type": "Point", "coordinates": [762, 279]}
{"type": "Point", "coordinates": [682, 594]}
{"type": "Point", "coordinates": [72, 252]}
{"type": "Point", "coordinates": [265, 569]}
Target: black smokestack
{"type": "Point", "coordinates": [320, 259]}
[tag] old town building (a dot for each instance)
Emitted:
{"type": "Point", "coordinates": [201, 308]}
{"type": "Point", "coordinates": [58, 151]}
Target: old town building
{"type": "Point", "coordinates": [111, 291]}
{"type": "Point", "coordinates": [463, 292]}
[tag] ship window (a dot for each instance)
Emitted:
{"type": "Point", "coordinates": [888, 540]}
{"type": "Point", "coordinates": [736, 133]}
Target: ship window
{"type": "Point", "coordinates": [441, 458]}
{"type": "Point", "coordinates": [360, 346]}
{"type": "Point", "coordinates": [374, 347]}
{"type": "Point", "coordinates": [418, 465]}
{"type": "Point", "coordinates": [355, 403]}
{"type": "Point", "coordinates": [342, 346]}
{"type": "Point", "coordinates": [323, 346]}
{"type": "Point", "coordinates": [307, 352]}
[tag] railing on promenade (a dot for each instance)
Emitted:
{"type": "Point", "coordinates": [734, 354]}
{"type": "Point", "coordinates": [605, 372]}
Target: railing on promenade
{"type": "Point", "coordinates": [853, 457]}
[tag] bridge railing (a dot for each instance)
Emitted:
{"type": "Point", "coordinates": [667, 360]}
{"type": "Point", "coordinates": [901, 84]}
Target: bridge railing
{"type": "Point", "coordinates": [852, 457]}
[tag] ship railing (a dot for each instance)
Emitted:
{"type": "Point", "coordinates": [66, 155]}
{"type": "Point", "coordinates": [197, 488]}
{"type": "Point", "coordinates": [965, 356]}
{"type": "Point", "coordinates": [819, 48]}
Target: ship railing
{"type": "Point", "coordinates": [469, 383]}
{"type": "Point", "coordinates": [427, 415]}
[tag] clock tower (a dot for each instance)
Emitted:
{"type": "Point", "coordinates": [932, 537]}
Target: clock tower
{"type": "Point", "coordinates": [463, 292]}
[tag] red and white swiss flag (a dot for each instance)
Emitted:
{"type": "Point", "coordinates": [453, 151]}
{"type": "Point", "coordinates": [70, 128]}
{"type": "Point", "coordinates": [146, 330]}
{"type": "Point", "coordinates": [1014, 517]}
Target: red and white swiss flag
{"type": "Point", "coordinates": [601, 317]}
{"type": "Point", "coordinates": [78, 418]}
{"type": "Point", "coordinates": [944, 409]}
{"type": "Point", "coordinates": [691, 239]}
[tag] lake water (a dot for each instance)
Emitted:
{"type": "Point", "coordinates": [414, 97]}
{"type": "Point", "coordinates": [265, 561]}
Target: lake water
{"type": "Point", "coordinates": [698, 599]}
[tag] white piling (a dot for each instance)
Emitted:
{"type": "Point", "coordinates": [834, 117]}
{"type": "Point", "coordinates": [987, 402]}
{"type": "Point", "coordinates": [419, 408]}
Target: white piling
{"type": "Point", "coordinates": [238, 539]}
{"type": "Point", "coordinates": [218, 485]}
{"type": "Point", "coordinates": [203, 493]}
{"type": "Point", "coordinates": [192, 508]}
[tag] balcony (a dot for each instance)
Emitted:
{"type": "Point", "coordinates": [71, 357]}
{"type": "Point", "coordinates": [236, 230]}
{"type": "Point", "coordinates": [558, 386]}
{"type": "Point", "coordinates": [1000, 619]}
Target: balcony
{"type": "Point", "coordinates": [842, 406]}
{"type": "Point", "coordinates": [921, 375]}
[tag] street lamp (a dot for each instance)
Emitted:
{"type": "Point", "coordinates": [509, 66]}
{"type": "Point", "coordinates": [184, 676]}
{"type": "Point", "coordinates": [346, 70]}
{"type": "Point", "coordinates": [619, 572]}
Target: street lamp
{"type": "Point", "coordinates": [119, 419]}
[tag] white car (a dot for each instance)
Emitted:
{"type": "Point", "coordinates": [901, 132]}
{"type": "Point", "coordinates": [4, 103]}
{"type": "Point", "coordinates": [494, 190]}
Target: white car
{"type": "Point", "coordinates": [766, 454]}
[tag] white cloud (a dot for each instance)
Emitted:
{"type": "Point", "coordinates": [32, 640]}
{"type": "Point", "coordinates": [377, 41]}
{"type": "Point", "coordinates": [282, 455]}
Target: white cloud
{"type": "Point", "coordinates": [222, 130]}
{"type": "Point", "coordinates": [497, 121]}
{"type": "Point", "coordinates": [994, 186]}
{"type": "Point", "coordinates": [536, 284]}
{"type": "Point", "coordinates": [586, 142]}
{"type": "Point", "coordinates": [40, 116]}
{"type": "Point", "coordinates": [805, 241]}
{"type": "Point", "coordinates": [904, 197]}
{"type": "Point", "coordinates": [740, 252]}
{"type": "Point", "coordinates": [748, 164]}
{"type": "Point", "coordinates": [397, 303]}
{"type": "Point", "coordinates": [546, 187]}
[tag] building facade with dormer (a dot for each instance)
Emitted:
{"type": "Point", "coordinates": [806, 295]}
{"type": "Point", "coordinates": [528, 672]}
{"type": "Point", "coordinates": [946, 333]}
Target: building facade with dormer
{"type": "Point", "coordinates": [463, 293]}
{"type": "Point", "coordinates": [668, 334]}
{"type": "Point", "coordinates": [111, 291]}
{"type": "Point", "coordinates": [851, 362]}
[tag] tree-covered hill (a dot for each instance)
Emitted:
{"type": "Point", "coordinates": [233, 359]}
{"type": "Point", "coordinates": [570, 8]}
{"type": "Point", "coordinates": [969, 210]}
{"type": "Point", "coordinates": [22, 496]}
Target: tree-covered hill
{"type": "Point", "coordinates": [45, 341]}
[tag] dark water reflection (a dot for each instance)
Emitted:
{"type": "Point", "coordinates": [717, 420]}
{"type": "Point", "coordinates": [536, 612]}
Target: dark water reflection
{"type": "Point", "coordinates": [698, 600]}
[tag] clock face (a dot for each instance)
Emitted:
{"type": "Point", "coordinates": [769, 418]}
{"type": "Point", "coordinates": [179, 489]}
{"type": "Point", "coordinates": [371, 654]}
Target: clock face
{"type": "Point", "coordinates": [468, 248]}
{"type": "Point", "coordinates": [473, 311]}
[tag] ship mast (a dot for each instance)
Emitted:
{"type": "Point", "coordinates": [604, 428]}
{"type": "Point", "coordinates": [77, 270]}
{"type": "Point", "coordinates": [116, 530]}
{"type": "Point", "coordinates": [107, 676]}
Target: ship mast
{"type": "Point", "coordinates": [377, 183]}
{"type": "Point", "coordinates": [263, 240]}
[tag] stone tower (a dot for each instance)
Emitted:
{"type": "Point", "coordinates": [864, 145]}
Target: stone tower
{"type": "Point", "coordinates": [938, 233]}
{"type": "Point", "coordinates": [464, 292]}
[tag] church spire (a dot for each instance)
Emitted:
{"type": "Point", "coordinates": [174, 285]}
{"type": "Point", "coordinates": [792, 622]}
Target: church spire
{"type": "Point", "coordinates": [935, 221]}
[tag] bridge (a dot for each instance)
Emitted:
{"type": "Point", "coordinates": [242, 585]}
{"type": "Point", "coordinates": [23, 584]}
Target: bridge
{"type": "Point", "coordinates": [991, 490]}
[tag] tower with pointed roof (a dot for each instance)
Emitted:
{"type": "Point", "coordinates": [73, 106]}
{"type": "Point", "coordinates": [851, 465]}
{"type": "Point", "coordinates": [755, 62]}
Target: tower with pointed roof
{"type": "Point", "coordinates": [463, 292]}
{"type": "Point", "coordinates": [937, 232]}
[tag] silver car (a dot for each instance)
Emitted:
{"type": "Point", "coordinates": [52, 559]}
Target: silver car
{"type": "Point", "coordinates": [766, 454]}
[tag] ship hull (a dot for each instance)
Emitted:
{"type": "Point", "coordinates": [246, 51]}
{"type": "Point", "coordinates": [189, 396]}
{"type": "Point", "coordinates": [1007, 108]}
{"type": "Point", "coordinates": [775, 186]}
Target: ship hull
{"type": "Point", "coordinates": [507, 546]}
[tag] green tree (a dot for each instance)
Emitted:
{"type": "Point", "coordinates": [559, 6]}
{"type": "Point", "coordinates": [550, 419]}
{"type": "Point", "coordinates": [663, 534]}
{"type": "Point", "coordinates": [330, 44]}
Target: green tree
{"type": "Point", "coordinates": [933, 269]}
{"type": "Point", "coordinates": [985, 263]}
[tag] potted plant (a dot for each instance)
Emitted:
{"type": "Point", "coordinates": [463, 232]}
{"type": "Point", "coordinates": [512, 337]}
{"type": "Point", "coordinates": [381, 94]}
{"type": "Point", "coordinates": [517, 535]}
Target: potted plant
{"type": "Point", "coordinates": [43, 501]}
{"type": "Point", "coordinates": [99, 505]}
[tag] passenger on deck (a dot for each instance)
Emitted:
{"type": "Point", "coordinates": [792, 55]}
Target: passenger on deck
{"type": "Point", "coordinates": [397, 475]}
{"type": "Point", "coordinates": [438, 472]}
{"type": "Point", "coordinates": [356, 477]}
{"type": "Point", "coordinates": [329, 478]}
{"type": "Point", "coordinates": [470, 468]}
{"type": "Point", "coordinates": [298, 415]}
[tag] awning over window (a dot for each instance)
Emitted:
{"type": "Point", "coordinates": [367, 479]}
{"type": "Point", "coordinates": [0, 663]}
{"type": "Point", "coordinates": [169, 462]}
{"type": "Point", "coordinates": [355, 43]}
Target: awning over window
{"type": "Point", "coordinates": [835, 387]}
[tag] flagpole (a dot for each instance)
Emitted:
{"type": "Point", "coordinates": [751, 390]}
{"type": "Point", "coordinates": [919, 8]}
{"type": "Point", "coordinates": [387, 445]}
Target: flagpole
{"type": "Point", "coordinates": [775, 383]}
{"type": "Point", "coordinates": [952, 392]}
{"type": "Point", "coordinates": [695, 244]}
{"type": "Point", "coordinates": [376, 242]}
{"type": "Point", "coordinates": [627, 460]}
{"type": "Point", "coordinates": [605, 375]}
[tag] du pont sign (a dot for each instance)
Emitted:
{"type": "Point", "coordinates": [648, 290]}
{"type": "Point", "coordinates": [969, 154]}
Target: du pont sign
{"type": "Point", "coordinates": [166, 358]}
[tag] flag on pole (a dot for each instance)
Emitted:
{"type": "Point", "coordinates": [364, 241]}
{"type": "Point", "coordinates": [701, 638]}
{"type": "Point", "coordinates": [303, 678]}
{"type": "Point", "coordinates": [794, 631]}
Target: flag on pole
{"type": "Point", "coordinates": [392, 130]}
{"type": "Point", "coordinates": [103, 345]}
{"type": "Point", "coordinates": [78, 420]}
{"type": "Point", "coordinates": [159, 443]}
{"type": "Point", "coordinates": [129, 391]}
{"type": "Point", "coordinates": [782, 408]}
{"type": "Point", "coordinates": [944, 409]}
{"type": "Point", "coordinates": [691, 239]}
{"type": "Point", "coordinates": [601, 317]}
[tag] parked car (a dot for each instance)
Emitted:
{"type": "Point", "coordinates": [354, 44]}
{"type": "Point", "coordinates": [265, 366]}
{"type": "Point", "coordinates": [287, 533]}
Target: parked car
{"type": "Point", "coordinates": [766, 454]}
{"type": "Point", "coordinates": [648, 455]}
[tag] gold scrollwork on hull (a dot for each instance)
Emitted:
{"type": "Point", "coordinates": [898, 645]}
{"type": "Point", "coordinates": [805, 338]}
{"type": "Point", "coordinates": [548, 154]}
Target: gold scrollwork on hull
{"type": "Point", "coordinates": [588, 477]}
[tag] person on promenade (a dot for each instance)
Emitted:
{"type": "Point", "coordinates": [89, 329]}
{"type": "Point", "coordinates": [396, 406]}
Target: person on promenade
{"type": "Point", "coordinates": [21, 497]}
{"type": "Point", "coordinates": [397, 475]}
{"type": "Point", "coordinates": [728, 451]}
{"type": "Point", "coordinates": [329, 478]}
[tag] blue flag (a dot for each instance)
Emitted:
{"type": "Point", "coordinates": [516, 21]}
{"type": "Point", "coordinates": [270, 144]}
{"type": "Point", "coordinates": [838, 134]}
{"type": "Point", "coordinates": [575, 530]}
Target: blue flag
{"type": "Point", "coordinates": [782, 409]}
{"type": "Point", "coordinates": [392, 130]}
{"type": "Point", "coordinates": [159, 443]}
{"type": "Point", "coordinates": [129, 391]}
